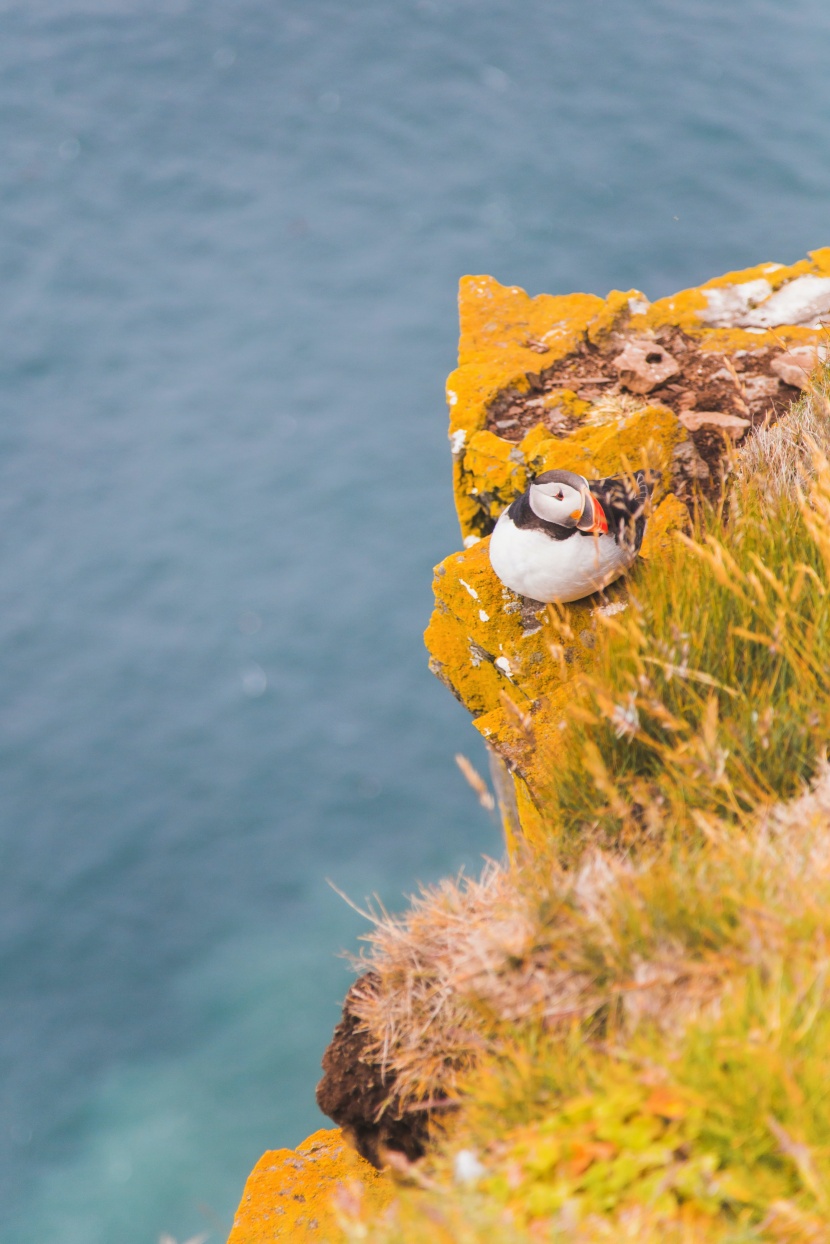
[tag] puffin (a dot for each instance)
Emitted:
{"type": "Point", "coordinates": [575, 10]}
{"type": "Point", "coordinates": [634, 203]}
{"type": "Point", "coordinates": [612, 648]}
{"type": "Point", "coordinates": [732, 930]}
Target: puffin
{"type": "Point", "coordinates": [566, 537]}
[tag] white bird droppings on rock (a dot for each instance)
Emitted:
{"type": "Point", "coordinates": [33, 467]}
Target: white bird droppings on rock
{"type": "Point", "coordinates": [471, 590]}
{"type": "Point", "coordinates": [728, 303]}
{"type": "Point", "coordinates": [457, 440]}
{"type": "Point", "coordinates": [503, 664]}
{"type": "Point", "coordinates": [802, 301]}
{"type": "Point", "coordinates": [638, 306]}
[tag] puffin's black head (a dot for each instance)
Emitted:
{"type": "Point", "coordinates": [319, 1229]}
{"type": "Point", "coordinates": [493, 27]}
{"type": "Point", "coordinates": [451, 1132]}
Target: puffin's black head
{"type": "Point", "coordinates": [578, 482]}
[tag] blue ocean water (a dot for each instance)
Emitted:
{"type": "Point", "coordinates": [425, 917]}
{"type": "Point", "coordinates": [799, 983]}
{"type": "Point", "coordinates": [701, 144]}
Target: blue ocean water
{"type": "Point", "coordinates": [231, 233]}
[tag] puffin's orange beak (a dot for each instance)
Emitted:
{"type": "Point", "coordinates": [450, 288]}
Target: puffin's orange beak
{"type": "Point", "coordinates": [600, 523]}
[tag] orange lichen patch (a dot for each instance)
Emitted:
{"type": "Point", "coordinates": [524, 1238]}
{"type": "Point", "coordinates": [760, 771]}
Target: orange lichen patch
{"type": "Point", "coordinates": [485, 644]}
{"type": "Point", "coordinates": [511, 663]}
{"type": "Point", "coordinates": [610, 444]}
{"type": "Point", "coordinates": [468, 597]}
{"type": "Point", "coordinates": [292, 1194]}
{"type": "Point", "coordinates": [669, 516]}
{"type": "Point", "coordinates": [730, 340]}
{"type": "Point", "coordinates": [617, 307]}
{"type": "Point", "coordinates": [530, 744]}
{"type": "Point", "coordinates": [506, 329]}
{"type": "Point", "coordinates": [495, 471]}
{"type": "Point", "coordinates": [534, 827]}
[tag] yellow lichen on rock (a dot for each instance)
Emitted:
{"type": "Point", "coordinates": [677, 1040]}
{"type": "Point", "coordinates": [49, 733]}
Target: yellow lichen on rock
{"type": "Point", "coordinates": [670, 516]}
{"type": "Point", "coordinates": [495, 471]}
{"type": "Point", "coordinates": [609, 443]}
{"type": "Point", "coordinates": [505, 335]}
{"type": "Point", "coordinates": [507, 662]}
{"type": "Point", "coordinates": [292, 1194]}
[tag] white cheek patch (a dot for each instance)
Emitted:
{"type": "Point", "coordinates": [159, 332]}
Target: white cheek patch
{"type": "Point", "coordinates": [564, 510]}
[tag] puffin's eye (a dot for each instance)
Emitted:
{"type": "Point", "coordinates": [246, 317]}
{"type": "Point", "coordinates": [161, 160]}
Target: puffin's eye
{"type": "Point", "coordinates": [560, 496]}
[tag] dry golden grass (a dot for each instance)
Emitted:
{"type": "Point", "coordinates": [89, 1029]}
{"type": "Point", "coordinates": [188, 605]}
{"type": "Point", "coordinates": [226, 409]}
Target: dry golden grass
{"type": "Point", "coordinates": [613, 942]}
{"type": "Point", "coordinates": [783, 454]}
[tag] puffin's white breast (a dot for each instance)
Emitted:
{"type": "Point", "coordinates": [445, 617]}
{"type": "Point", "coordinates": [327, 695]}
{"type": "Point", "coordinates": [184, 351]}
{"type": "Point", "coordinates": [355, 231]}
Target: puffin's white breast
{"type": "Point", "coordinates": [535, 564]}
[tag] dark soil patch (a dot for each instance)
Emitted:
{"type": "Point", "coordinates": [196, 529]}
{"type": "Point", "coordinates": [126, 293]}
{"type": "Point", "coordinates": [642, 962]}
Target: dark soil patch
{"type": "Point", "coordinates": [357, 1094]}
{"type": "Point", "coordinates": [739, 384]}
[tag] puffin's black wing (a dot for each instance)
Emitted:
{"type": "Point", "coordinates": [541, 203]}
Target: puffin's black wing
{"type": "Point", "coordinates": [624, 499]}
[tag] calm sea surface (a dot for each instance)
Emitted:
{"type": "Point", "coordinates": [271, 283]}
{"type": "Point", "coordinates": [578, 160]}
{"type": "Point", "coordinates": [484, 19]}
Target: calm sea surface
{"type": "Point", "coordinates": [230, 237]}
